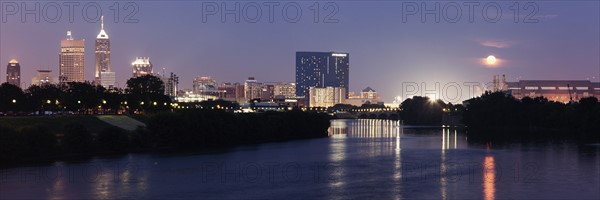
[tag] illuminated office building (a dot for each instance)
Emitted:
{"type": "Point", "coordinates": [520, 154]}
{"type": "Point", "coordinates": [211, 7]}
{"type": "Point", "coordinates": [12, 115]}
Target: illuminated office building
{"type": "Point", "coordinates": [326, 97]}
{"type": "Point", "coordinates": [284, 90]}
{"type": "Point", "coordinates": [72, 60]}
{"type": "Point", "coordinates": [102, 52]}
{"type": "Point", "coordinates": [321, 70]}
{"type": "Point", "coordinates": [141, 67]}
{"type": "Point", "coordinates": [44, 77]}
{"type": "Point", "coordinates": [13, 73]}
{"type": "Point", "coordinates": [252, 89]}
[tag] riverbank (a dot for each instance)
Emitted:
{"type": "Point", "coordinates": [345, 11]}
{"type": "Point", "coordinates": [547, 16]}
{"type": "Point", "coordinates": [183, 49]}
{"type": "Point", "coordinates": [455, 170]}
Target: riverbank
{"type": "Point", "coordinates": [47, 139]}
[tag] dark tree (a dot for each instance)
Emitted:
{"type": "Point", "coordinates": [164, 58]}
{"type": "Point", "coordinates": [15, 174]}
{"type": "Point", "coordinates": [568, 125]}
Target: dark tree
{"type": "Point", "coordinates": [83, 97]}
{"type": "Point", "coordinates": [12, 98]}
{"type": "Point", "coordinates": [145, 85]}
{"type": "Point", "coordinates": [422, 111]}
{"type": "Point", "coordinates": [147, 93]}
{"type": "Point", "coordinates": [45, 97]}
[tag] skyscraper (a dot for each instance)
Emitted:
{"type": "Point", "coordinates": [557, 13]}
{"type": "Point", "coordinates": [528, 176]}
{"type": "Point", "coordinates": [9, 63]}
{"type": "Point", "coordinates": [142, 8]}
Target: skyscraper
{"type": "Point", "coordinates": [252, 88]}
{"type": "Point", "coordinates": [141, 67]}
{"type": "Point", "coordinates": [71, 60]}
{"type": "Point", "coordinates": [43, 77]}
{"type": "Point", "coordinates": [107, 79]}
{"type": "Point", "coordinates": [321, 70]}
{"type": "Point", "coordinates": [102, 52]}
{"type": "Point", "coordinates": [13, 73]}
{"type": "Point", "coordinates": [171, 85]}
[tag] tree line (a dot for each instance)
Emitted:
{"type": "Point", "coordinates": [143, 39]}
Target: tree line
{"type": "Point", "coordinates": [142, 94]}
{"type": "Point", "coordinates": [500, 116]}
{"type": "Point", "coordinates": [423, 111]}
{"type": "Point", "coordinates": [497, 115]}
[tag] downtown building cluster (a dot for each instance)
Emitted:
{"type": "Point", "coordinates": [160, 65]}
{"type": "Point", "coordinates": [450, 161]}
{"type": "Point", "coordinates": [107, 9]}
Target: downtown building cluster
{"type": "Point", "coordinates": [322, 78]}
{"type": "Point", "coordinates": [71, 64]}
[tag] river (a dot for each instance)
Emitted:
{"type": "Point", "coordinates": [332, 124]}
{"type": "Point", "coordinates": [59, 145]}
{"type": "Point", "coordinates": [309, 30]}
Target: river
{"type": "Point", "coordinates": [374, 159]}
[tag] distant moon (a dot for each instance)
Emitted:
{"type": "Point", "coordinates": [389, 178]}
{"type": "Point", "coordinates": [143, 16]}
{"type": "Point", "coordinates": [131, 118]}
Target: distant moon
{"type": "Point", "coordinates": [491, 60]}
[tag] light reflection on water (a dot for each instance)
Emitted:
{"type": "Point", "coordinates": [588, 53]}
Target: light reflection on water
{"type": "Point", "coordinates": [364, 159]}
{"type": "Point", "coordinates": [489, 178]}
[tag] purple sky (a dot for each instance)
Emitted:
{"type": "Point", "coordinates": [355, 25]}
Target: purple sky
{"type": "Point", "coordinates": [384, 50]}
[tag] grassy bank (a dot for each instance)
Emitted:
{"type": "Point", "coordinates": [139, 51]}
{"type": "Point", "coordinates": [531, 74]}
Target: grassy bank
{"type": "Point", "coordinates": [54, 124]}
{"type": "Point", "coordinates": [47, 139]}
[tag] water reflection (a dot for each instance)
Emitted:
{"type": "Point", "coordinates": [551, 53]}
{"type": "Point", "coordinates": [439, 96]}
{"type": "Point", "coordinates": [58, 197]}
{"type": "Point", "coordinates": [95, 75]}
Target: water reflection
{"type": "Point", "coordinates": [365, 128]}
{"type": "Point", "coordinates": [398, 163]}
{"type": "Point", "coordinates": [370, 138]}
{"type": "Point", "coordinates": [363, 159]}
{"type": "Point", "coordinates": [489, 178]}
{"type": "Point", "coordinates": [58, 186]}
{"type": "Point", "coordinates": [443, 170]}
{"type": "Point", "coordinates": [102, 182]}
{"type": "Point", "coordinates": [338, 127]}
{"type": "Point", "coordinates": [449, 141]}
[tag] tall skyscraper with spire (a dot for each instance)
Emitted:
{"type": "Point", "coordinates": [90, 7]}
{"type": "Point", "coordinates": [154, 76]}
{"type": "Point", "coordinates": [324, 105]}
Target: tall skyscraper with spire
{"type": "Point", "coordinates": [71, 60]}
{"type": "Point", "coordinates": [103, 75]}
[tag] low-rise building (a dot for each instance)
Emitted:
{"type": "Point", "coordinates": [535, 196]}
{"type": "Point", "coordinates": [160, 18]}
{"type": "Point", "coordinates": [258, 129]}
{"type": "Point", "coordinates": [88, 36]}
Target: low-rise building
{"type": "Point", "coordinates": [326, 97]}
{"type": "Point", "coordinates": [554, 90]}
{"type": "Point", "coordinates": [44, 77]}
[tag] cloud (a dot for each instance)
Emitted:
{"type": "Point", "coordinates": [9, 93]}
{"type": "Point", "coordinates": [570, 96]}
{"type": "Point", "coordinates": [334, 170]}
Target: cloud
{"type": "Point", "coordinates": [545, 17]}
{"type": "Point", "coordinates": [496, 43]}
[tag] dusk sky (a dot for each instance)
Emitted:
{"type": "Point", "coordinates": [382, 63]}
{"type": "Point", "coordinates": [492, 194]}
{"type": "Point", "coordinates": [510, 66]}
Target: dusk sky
{"type": "Point", "coordinates": [384, 51]}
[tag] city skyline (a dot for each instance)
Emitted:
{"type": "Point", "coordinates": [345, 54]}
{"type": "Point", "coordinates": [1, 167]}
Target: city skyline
{"type": "Point", "coordinates": [410, 51]}
{"type": "Point", "coordinates": [309, 99]}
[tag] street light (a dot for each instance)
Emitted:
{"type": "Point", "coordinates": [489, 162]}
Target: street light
{"type": "Point", "coordinates": [103, 101]}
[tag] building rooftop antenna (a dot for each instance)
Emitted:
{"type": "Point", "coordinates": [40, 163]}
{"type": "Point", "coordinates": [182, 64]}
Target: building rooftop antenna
{"type": "Point", "coordinates": [69, 35]}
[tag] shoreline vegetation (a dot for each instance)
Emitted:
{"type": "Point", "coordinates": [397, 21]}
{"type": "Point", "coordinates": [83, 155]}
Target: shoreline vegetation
{"type": "Point", "coordinates": [46, 139]}
{"type": "Point", "coordinates": [77, 132]}
{"type": "Point", "coordinates": [497, 116]}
